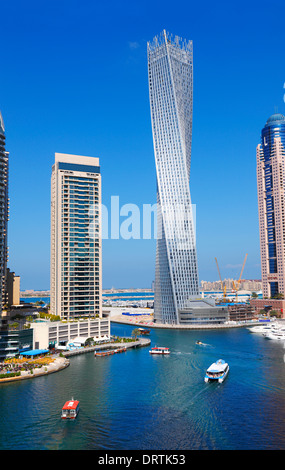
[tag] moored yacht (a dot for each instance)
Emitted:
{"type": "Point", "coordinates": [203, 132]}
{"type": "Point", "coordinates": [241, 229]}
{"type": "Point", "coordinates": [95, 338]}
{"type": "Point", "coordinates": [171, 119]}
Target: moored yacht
{"type": "Point", "coordinates": [279, 335]}
{"type": "Point", "coordinates": [263, 328]}
{"type": "Point", "coordinates": [217, 371]}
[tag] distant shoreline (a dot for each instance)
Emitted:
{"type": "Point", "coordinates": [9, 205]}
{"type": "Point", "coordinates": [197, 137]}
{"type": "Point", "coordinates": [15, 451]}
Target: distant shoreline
{"type": "Point", "coordinates": [39, 294]}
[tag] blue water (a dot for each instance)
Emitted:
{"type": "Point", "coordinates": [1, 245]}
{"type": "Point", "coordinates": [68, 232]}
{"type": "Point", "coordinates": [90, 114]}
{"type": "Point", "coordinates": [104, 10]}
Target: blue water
{"type": "Point", "coordinates": [137, 401]}
{"type": "Point", "coordinates": [28, 300]}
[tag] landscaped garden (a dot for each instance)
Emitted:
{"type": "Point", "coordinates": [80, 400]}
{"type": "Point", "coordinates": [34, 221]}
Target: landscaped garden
{"type": "Point", "coordinates": [15, 366]}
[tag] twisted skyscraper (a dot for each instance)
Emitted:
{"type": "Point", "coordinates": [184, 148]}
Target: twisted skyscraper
{"type": "Point", "coordinates": [170, 72]}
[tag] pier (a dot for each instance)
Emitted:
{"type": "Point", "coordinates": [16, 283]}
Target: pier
{"type": "Point", "coordinates": [139, 343]}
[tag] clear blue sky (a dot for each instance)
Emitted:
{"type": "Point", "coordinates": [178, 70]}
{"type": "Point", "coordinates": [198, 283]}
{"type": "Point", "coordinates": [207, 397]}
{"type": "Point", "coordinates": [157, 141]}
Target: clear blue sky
{"type": "Point", "coordinates": [74, 80]}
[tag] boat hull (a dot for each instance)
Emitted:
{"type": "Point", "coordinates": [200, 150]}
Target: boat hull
{"type": "Point", "coordinates": [275, 337]}
{"type": "Point", "coordinates": [109, 352]}
{"type": "Point", "coordinates": [70, 417]}
{"type": "Point", "coordinates": [159, 353]}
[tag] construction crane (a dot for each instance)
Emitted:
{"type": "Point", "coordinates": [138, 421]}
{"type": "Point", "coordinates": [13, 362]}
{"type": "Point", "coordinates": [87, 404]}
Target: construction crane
{"type": "Point", "coordinates": [224, 287]}
{"type": "Point", "coordinates": [236, 285]}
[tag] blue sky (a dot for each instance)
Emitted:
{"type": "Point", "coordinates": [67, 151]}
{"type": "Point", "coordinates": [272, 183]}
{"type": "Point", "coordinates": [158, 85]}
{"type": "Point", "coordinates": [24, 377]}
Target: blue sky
{"type": "Point", "coordinates": [74, 80]}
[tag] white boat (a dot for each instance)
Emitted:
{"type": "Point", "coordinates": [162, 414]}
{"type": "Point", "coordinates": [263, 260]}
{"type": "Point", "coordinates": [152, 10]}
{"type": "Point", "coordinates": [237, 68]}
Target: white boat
{"type": "Point", "coordinates": [158, 350]}
{"type": "Point", "coordinates": [277, 335]}
{"type": "Point", "coordinates": [217, 371]}
{"type": "Point", "coordinates": [262, 328]}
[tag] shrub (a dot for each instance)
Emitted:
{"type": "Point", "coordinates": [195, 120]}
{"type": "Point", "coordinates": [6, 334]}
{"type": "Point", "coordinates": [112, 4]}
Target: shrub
{"type": "Point", "coordinates": [12, 374]}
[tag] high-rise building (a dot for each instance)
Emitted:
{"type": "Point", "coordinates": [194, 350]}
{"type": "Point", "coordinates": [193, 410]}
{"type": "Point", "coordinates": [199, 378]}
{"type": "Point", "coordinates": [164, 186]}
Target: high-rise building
{"type": "Point", "coordinates": [170, 72]}
{"type": "Point", "coordinates": [4, 213]}
{"type": "Point", "coordinates": [271, 205]}
{"type": "Point", "coordinates": [76, 279]}
{"type": "Point", "coordinates": [12, 288]}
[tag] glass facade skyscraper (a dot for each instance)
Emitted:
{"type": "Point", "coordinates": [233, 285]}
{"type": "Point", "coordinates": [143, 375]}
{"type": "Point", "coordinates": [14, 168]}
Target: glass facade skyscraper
{"type": "Point", "coordinates": [170, 73]}
{"type": "Point", "coordinates": [271, 204]}
{"type": "Point", "coordinates": [76, 280]}
{"type": "Point", "coordinates": [4, 212]}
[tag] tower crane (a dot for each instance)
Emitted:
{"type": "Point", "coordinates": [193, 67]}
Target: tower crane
{"type": "Point", "coordinates": [236, 285]}
{"type": "Point", "coordinates": [224, 287]}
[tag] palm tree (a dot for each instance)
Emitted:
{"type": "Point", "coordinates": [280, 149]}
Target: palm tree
{"type": "Point", "coordinates": [136, 333]}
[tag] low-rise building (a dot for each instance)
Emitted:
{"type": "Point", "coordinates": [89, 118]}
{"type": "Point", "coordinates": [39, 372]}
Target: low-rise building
{"type": "Point", "coordinates": [203, 313]}
{"type": "Point", "coordinates": [49, 334]}
{"type": "Point", "coordinates": [241, 312]}
{"type": "Point", "coordinates": [268, 305]}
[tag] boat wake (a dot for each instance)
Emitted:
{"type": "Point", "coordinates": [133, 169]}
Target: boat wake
{"type": "Point", "coordinates": [194, 398]}
{"type": "Point", "coordinates": [181, 353]}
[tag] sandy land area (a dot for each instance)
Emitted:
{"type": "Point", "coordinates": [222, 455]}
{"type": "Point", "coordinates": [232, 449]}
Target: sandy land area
{"type": "Point", "coordinates": [146, 321]}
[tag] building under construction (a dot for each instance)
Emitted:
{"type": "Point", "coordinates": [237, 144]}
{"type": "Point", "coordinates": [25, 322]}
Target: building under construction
{"type": "Point", "coordinates": [235, 284]}
{"type": "Point", "coordinates": [241, 312]}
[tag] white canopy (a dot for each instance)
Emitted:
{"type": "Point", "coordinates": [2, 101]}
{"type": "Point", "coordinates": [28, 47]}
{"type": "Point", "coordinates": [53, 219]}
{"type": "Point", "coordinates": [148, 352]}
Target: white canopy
{"type": "Point", "coordinates": [218, 366]}
{"type": "Point", "coordinates": [79, 340]}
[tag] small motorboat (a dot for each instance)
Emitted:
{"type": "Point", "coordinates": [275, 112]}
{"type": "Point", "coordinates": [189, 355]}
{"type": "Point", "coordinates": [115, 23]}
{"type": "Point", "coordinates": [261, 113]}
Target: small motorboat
{"type": "Point", "coordinates": [158, 350]}
{"type": "Point", "coordinates": [199, 342]}
{"type": "Point", "coordinates": [217, 371]}
{"type": "Point", "coordinates": [70, 409]}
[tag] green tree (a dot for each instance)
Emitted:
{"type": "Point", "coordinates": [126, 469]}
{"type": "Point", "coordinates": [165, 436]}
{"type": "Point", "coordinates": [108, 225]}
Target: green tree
{"type": "Point", "coordinates": [136, 333]}
{"type": "Point", "coordinates": [278, 296]}
{"type": "Point", "coordinates": [275, 313]}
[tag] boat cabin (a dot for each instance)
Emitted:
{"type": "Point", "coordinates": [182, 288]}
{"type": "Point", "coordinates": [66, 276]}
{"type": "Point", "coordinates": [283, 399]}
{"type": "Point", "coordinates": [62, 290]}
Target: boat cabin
{"type": "Point", "coordinates": [159, 350]}
{"type": "Point", "coordinates": [70, 409]}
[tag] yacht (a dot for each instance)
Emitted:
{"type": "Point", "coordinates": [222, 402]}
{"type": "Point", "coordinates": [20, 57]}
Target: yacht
{"type": "Point", "coordinates": [262, 328]}
{"type": "Point", "coordinates": [278, 335]}
{"type": "Point", "coordinates": [217, 371]}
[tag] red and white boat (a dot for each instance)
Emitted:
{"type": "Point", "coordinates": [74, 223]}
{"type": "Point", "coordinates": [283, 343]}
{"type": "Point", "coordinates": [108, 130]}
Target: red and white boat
{"type": "Point", "coordinates": [70, 409]}
{"type": "Point", "coordinates": [158, 350]}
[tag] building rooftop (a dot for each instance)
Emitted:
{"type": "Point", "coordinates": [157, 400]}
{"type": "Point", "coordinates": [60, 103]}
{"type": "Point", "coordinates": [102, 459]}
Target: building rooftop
{"type": "Point", "coordinates": [2, 128]}
{"type": "Point", "coordinates": [275, 119]}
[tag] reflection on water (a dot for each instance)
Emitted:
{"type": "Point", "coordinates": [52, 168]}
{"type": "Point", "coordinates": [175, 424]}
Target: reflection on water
{"type": "Point", "coordinates": [139, 401]}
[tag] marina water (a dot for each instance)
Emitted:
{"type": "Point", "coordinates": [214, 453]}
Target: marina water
{"type": "Point", "coordinates": [136, 401]}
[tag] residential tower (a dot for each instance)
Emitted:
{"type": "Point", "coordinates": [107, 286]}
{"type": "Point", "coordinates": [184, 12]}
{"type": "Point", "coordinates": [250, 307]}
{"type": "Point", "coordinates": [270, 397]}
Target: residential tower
{"type": "Point", "coordinates": [76, 279]}
{"type": "Point", "coordinates": [170, 73]}
{"type": "Point", "coordinates": [4, 213]}
{"type": "Point", "coordinates": [270, 155]}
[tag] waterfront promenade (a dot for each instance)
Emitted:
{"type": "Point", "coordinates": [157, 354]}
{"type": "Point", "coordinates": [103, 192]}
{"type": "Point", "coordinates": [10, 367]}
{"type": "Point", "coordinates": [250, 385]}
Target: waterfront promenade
{"type": "Point", "coordinates": [139, 343]}
{"type": "Point", "coordinates": [60, 362]}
